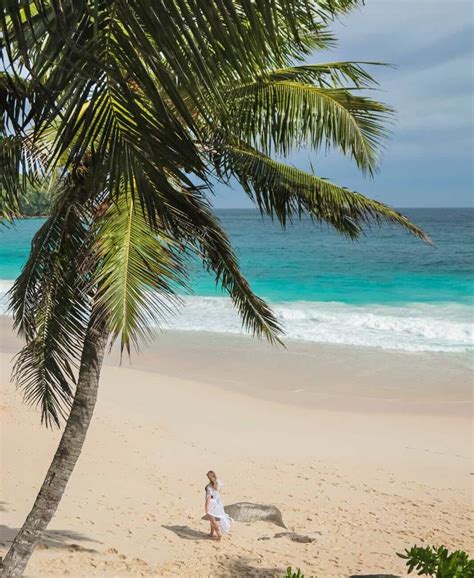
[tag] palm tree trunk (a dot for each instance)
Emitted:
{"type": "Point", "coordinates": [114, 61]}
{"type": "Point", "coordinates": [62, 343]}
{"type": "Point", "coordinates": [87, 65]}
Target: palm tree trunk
{"type": "Point", "coordinates": [66, 455]}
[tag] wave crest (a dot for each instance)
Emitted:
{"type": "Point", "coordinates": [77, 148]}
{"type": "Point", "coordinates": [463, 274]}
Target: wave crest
{"type": "Point", "coordinates": [416, 327]}
{"type": "Point", "coordinates": [442, 327]}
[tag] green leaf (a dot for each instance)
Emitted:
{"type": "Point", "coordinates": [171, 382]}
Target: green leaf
{"type": "Point", "coordinates": [284, 115]}
{"type": "Point", "coordinates": [138, 269]}
{"type": "Point", "coordinates": [51, 308]}
{"type": "Point", "coordinates": [284, 191]}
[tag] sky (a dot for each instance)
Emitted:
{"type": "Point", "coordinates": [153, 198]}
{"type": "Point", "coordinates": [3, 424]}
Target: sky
{"type": "Point", "coordinates": [428, 160]}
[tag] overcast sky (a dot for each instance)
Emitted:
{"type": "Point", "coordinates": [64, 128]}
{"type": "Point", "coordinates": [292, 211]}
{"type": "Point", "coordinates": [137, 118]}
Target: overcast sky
{"type": "Point", "coordinates": [428, 161]}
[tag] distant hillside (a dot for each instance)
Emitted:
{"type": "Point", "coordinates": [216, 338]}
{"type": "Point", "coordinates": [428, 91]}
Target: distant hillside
{"type": "Point", "coordinates": [36, 202]}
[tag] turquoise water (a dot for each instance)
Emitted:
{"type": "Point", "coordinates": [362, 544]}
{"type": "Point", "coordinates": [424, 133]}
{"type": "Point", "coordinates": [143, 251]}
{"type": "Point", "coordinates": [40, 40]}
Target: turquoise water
{"type": "Point", "coordinates": [306, 262]}
{"type": "Point", "coordinates": [388, 289]}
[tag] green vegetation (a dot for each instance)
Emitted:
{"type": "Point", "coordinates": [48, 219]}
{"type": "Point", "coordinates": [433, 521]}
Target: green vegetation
{"type": "Point", "coordinates": [296, 574]}
{"type": "Point", "coordinates": [36, 201]}
{"type": "Point", "coordinates": [438, 562]}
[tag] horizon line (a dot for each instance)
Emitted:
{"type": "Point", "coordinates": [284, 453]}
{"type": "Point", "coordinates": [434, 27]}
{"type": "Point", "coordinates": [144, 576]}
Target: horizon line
{"type": "Point", "coordinates": [399, 208]}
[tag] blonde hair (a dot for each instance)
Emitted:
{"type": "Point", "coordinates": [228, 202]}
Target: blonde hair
{"type": "Point", "coordinates": [212, 479]}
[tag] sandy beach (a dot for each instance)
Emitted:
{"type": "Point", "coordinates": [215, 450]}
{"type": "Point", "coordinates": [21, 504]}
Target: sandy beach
{"type": "Point", "coordinates": [364, 451]}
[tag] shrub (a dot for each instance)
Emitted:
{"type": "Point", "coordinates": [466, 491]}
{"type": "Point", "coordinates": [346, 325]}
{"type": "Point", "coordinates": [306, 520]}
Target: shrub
{"type": "Point", "coordinates": [429, 561]}
{"type": "Point", "coordinates": [438, 562]}
{"type": "Point", "coordinates": [291, 574]}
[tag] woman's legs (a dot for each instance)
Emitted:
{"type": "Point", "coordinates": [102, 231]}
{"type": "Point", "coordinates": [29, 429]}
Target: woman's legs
{"type": "Point", "coordinates": [215, 530]}
{"type": "Point", "coordinates": [212, 527]}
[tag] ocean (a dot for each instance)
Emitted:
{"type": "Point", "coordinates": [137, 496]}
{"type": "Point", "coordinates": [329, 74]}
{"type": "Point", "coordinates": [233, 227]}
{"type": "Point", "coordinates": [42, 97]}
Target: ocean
{"type": "Point", "coordinates": [386, 290]}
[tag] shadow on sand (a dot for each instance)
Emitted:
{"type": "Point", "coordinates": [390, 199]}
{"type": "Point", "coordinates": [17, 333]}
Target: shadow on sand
{"type": "Point", "coordinates": [187, 533]}
{"type": "Point", "coordinates": [247, 568]}
{"type": "Point", "coordinates": [61, 539]}
{"type": "Point", "coordinates": [233, 567]}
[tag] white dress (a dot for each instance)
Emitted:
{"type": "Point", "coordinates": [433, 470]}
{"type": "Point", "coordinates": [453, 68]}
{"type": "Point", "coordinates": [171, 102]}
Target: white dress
{"type": "Point", "coordinates": [215, 507]}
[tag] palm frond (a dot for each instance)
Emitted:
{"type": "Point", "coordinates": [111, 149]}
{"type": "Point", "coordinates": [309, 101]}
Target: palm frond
{"type": "Point", "coordinates": [12, 183]}
{"type": "Point", "coordinates": [284, 191]}
{"type": "Point", "coordinates": [138, 271]}
{"type": "Point", "coordinates": [50, 308]}
{"type": "Point", "coordinates": [328, 74]}
{"type": "Point", "coordinates": [200, 229]}
{"type": "Point", "coordinates": [279, 116]}
{"type": "Point", "coordinates": [18, 163]}
{"type": "Point", "coordinates": [178, 40]}
{"type": "Point", "coordinates": [119, 77]}
{"type": "Point", "coordinates": [17, 98]}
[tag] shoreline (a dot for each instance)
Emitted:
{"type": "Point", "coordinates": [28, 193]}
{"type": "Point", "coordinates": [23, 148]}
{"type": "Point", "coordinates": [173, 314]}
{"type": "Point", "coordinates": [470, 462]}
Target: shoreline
{"type": "Point", "coordinates": [362, 379]}
{"type": "Point", "coordinates": [366, 463]}
{"type": "Point", "coordinates": [444, 327]}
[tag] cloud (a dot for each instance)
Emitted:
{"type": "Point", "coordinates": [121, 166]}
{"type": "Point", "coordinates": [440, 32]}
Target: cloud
{"type": "Point", "coordinates": [409, 32]}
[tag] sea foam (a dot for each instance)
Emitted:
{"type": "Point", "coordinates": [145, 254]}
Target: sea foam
{"type": "Point", "coordinates": [416, 327]}
{"type": "Point", "coordinates": [441, 327]}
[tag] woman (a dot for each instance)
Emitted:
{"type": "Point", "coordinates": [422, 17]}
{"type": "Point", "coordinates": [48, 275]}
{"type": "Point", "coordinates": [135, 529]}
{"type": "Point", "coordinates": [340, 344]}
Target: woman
{"type": "Point", "coordinates": [219, 520]}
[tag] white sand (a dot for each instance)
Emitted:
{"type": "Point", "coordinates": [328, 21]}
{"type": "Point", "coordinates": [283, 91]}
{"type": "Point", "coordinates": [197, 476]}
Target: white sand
{"type": "Point", "coordinates": [368, 451]}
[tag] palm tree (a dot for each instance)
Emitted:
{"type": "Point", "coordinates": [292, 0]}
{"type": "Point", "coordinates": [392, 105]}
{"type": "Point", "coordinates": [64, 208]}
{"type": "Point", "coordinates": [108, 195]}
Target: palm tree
{"type": "Point", "coordinates": [135, 109]}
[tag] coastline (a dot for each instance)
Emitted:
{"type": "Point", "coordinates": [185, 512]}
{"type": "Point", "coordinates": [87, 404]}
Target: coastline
{"type": "Point", "coordinates": [329, 376]}
{"type": "Point", "coordinates": [316, 375]}
{"type": "Point", "coordinates": [409, 327]}
{"type": "Point", "coordinates": [367, 463]}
